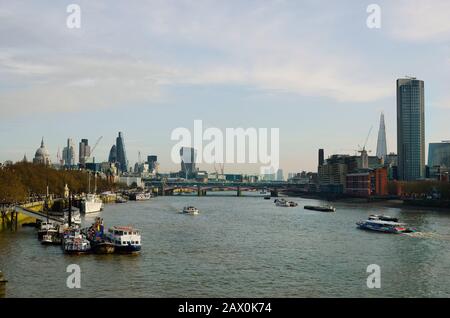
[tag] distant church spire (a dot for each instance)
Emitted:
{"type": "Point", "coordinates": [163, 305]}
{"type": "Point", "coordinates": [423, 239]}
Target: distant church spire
{"type": "Point", "coordinates": [381, 143]}
{"type": "Point", "coordinates": [42, 142]}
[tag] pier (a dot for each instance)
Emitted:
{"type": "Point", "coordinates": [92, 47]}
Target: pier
{"type": "Point", "coordinates": [10, 214]}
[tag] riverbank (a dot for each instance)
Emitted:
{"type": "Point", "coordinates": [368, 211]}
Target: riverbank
{"type": "Point", "coordinates": [380, 202]}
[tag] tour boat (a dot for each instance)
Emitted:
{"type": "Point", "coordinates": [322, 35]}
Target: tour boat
{"type": "Point", "coordinates": [327, 208]}
{"type": "Point", "coordinates": [285, 204]}
{"type": "Point", "coordinates": [96, 236]}
{"type": "Point", "coordinates": [126, 239]}
{"type": "Point", "coordinates": [384, 226]}
{"type": "Point", "coordinates": [51, 238]}
{"type": "Point", "coordinates": [190, 210]}
{"type": "Point", "coordinates": [382, 217]}
{"type": "Point", "coordinates": [44, 228]}
{"type": "Point", "coordinates": [75, 242]}
{"type": "Point", "coordinates": [91, 203]}
{"type": "Point", "coordinates": [142, 196]}
{"type": "Point", "coordinates": [121, 199]}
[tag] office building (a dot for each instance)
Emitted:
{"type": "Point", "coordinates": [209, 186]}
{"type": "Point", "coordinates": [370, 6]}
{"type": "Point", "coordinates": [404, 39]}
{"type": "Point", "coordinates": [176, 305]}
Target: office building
{"type": "Point", "coordinates": [84, 151]}
{"type": "Point", "coordinates": [410, 129]}
{"type": "Point", "coordinates": [381, 142]}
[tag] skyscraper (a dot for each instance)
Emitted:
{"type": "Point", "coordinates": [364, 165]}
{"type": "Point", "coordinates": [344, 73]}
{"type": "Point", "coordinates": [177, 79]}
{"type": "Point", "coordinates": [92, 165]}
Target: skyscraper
{"type": "Point", "coordinates": [69, 153]}
{"type": "Point", "coordinates": [84, 151]}
{"type": "Point", "coordinates": [188, 156]}
{"type": "Point", "coordinates": [121, 153]}
{"type": "Point", "coordinates": [381, 143]}
{"type": "Point", "coordinates": [321, 157]}
{"type": "Point", "coordinates": [439, 154]}
{"type": "Point", "coordinates": [112, 154]}
{"type": "Point", "coordinates": [410, 129]}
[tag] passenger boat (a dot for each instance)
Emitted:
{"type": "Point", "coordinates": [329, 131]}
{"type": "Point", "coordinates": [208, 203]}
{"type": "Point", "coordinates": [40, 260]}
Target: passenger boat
{"type": "Point", "coordinates": [74, 242]}
{"type": "Point", "coordinates": [51, 238]}
{"type": "Point", "coordinates": [382, 218]}
{"type": "Point", "coordinates": [284, 203]}
{"type": "Point", "coordinates": [44, 228]}
{"type": "Point", "coordinates": [121, 199]}
{"type": "Point", "coordinates": [190, 210]}
{"type": "Point", "coordinates": [91, 203]}
{"type": "Point", "coordinates": [327, 208]}
{"type": "Point", "coordinates": [267, 197]}
{"type": "Point", "coordinates": [96, 236]}
{"type": "Point", "coordinates": [142, 196]}
{"type": "Point", "coordinates": [384, 226]}
{"type": "Point", "coordinates": [126, 239]}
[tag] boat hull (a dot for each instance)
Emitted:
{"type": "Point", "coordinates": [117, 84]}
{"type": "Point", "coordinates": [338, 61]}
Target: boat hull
{"type": "Point", "coordinates": [103, 248]}
{"type": "Point", "coordinates": [127, 249]}
{"type": "Point", "coordinates": [319, 209]}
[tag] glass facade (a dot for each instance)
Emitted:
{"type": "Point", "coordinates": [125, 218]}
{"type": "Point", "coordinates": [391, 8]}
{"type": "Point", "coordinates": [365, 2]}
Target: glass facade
{"type": "Point", "coordinates": [410, 129]}
{"type": "Point", "coordinates": [439, 154]}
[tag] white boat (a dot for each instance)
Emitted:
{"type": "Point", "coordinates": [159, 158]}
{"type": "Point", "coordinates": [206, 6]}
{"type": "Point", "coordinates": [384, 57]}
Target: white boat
{"type": "Point", "coordinates": [91, 203]}
{"type": "Point", "coordinates": [76, 217]}
{"type": "Point", "coordinates": [76, 243]}
{"type": "Point", "coordinates": [190, 210]}
{"type": "Point", "coordinates": [143, 196]}
{"type": "Point", "coordinates": [45, 227]}
{"type": "Point", "coordinates": [126, 239]}
{"type": "Point", "coordinates": [384, 226]}
{"type": "Point", "coordinates": [285, 204]}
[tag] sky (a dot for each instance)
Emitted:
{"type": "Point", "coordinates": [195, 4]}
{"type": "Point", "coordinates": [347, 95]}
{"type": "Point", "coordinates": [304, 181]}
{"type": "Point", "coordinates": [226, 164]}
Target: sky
{"type": "Point", "coordinates": [311, 68]}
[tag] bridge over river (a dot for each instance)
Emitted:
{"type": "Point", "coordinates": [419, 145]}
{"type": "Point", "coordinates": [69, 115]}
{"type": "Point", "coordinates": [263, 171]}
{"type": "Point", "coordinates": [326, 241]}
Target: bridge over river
{"type": "Point", "coordinates": [167, 187]}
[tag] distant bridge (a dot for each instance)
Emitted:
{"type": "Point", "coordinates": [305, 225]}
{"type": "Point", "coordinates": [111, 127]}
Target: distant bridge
{"type": "Point", "coordinates": [168, 186]}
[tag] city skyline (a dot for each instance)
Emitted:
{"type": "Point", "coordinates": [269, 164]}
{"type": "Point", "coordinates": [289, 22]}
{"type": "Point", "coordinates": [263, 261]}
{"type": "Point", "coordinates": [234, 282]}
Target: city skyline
{"type": "Point", "coordinates": [147, 70]}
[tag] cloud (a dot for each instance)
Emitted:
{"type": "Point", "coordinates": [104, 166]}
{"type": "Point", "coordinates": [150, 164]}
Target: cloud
{"type": "Point", "coordinates": [419, 20]}
{"type": "Point", "coordinates": [132, 53]}
{"type": "Point", "coordinates": [76, 84]}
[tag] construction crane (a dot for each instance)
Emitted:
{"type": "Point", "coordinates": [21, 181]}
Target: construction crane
{"type": "Point", "coordinates": [93, 149]}
{"type": "Point", "coordinates": [365, 143]}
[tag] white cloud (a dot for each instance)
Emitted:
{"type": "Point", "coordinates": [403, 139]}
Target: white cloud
{"type": "Point", "coordinates": [419, 20]}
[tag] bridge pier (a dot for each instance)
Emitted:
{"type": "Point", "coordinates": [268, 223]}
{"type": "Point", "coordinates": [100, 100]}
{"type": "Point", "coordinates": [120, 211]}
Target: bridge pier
{"type": "Point", "coordinates": [239, 192]}
{"type": "Point", "coordinates": [200, 192]}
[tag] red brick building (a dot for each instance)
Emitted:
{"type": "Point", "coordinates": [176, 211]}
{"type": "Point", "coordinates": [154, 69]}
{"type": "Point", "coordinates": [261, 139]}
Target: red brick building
{"type": "Point", "coordinates": [367, 183]}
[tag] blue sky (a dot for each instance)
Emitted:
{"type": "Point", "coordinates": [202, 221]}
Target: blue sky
{"type": "Point", "coordinates": [311, 68]}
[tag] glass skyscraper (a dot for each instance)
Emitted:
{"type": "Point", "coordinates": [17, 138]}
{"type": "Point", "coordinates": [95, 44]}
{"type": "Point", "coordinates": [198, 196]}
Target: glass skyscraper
{"type": "Point", "coordinates": [121, 153]}
{"type": "Point", "coordinates": [381, 142]}
{"type": "Point", "coordinates": [410, 129]}
{"type": "Point", "coordinates": [439, 154]}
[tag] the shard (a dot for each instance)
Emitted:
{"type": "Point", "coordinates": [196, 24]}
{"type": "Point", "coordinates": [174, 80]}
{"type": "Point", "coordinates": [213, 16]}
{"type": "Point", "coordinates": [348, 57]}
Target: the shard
{"type": "Point", "coordinates": [381, 143]}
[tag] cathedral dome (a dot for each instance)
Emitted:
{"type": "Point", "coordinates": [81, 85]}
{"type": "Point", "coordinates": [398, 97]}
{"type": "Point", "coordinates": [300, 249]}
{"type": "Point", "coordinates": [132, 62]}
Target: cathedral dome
{"type": "Point", "coordinates": [42, 155]}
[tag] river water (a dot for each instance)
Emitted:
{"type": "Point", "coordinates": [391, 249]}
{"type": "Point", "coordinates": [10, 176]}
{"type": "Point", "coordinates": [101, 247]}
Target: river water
{"type": "Point", "coordinates": [240, 247]}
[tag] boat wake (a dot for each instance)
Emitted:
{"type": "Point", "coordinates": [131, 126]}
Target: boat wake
{"type": "Point", "coordinates": [428, 235]}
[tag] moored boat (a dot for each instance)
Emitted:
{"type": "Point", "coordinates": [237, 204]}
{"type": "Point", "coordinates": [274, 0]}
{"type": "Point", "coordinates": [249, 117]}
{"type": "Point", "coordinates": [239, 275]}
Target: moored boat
{"type": "Point", "coordinates": [96, 236]}
{"type": "Point", "coordinates": [74, 242]}
{"type": "Point", "coordinates": [126, 239]}
{"type": "Point", "coordinates": [51, 238]}
{"type": "Point", "coordinates": [44, 227]}
{"type": "Point", "coordinates": [141, 196]}
{"type": "Point", "coordinates": [327, 208]}
{"type": "Point", "coordinates": [91, 203]}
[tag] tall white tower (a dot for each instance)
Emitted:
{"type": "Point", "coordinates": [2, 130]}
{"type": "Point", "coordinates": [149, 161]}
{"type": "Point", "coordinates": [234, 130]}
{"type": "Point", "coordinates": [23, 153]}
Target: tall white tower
{"type": "Point", "coordinates": [381, 143]}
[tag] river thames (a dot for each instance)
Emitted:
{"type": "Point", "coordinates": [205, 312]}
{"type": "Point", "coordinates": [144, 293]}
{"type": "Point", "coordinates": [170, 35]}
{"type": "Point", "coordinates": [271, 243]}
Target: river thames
{"type": "Point", "coordinates": [240, 247]}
